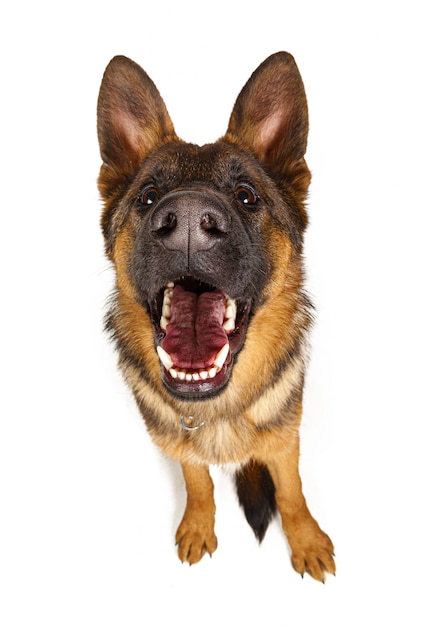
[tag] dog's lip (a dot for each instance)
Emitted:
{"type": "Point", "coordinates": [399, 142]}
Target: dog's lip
{"type": "Point", "coordinates": [203, 382]}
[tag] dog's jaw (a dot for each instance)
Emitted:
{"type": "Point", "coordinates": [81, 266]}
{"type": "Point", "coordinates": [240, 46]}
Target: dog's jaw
{"type": "Point", "coordinates": [197, 342]}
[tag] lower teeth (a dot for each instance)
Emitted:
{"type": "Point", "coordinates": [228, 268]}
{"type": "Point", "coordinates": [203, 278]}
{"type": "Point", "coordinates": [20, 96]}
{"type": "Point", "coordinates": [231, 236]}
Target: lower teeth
{"type": "Point", "coordinates": [196, 376]}
{"type": "Point", "coordinates": [203, 374]}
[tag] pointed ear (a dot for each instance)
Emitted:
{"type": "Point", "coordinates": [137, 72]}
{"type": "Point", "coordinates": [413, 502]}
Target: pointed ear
{"type": "Point", "coordinates": [132, 117]}
{"type": "Point", "coordinates": [270, 117]}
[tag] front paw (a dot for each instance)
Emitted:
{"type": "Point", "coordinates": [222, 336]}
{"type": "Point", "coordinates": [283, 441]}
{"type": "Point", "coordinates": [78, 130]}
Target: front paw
{"type": "Point", "coordinates": [195, 537]}
{"type": "Point", "coordinates": [312, 550]}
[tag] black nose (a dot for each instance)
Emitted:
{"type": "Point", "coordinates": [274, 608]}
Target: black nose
{"type": "Point", "coordinates": [189, 222]}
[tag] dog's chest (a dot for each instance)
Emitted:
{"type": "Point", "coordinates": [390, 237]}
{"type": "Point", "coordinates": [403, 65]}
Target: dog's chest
{"type": "Point", "coordinates": [217, 441]}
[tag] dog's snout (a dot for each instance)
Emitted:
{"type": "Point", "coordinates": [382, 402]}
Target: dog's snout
{"type": "Point", "coordinates": [189, 222]}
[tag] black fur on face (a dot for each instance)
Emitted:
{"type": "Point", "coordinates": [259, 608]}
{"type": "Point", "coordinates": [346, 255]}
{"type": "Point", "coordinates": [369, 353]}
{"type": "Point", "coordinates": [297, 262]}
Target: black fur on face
{"type": "Point", "coordinates": [212, 175]}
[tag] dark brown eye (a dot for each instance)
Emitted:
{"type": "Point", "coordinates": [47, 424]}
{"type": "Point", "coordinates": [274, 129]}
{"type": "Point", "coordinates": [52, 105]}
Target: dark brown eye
{"type": "Point", "coordinates": [148, 195]}
{"type": "Point", "coordinates": [246, 194]}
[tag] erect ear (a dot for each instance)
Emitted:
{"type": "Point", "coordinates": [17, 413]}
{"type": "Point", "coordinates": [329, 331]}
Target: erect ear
{"type": "Point", "coordinates": [270, 117]}
{"type": "Point", "coordinates": [132, 117]}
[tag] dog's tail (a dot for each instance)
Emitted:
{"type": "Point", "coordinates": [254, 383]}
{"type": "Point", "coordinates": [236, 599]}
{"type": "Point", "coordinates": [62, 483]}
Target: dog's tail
{"type": "Point", "coordinates": [256, 493]}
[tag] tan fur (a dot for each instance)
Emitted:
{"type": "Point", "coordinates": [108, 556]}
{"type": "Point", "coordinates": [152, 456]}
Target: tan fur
{"type": "Point", "coordinates": [256, 416]}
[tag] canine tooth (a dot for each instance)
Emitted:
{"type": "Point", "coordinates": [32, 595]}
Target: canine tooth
{"type": "Point", "coordinates": [221, 356]}
{"type": "Point", "coordinates": [164, 357]}
{"type": "Point", "coordinates": [229, 325]}
{"type": "Point", "coordinates": [212, 371]}
{"type": "Point", "coordinates": [163, 323]}
{"type": "Point", "coordinates": [231, 311]}
{"type": "Point", "coordinates": [203, 374]}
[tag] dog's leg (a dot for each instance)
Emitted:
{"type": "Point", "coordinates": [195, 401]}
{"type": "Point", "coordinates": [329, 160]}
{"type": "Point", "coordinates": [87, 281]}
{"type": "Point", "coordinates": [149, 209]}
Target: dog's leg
{"type": "Point", "coordinates": [195, 535]}
{"type": "Point", "coordinates": [312, 550]}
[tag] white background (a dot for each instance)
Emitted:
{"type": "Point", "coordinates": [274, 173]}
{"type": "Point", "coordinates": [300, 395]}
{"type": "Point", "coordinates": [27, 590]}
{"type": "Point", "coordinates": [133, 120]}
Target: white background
{"type": "Point", "coordinates": [89, 507]}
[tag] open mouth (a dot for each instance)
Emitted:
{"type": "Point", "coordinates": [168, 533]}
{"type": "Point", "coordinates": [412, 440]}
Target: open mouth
{"type": "Point", "coordinates": [199, 329]}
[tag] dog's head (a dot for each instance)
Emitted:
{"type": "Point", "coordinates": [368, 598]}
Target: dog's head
{"type": "Point", "coordinates": [201, 236]}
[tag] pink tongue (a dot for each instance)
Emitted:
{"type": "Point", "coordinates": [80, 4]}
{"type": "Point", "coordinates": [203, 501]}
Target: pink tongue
{"type": "Point", "coordinates": [195, 333]}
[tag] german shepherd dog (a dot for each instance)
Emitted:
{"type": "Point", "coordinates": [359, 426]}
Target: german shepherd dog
{"type": "Point", "coordinates": [209, 315]}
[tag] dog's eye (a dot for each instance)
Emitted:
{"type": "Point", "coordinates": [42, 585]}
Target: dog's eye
{"type": "Point", "coordinates": [148, 195]}
{"type": "Point", "coordinates": [246, 194]}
